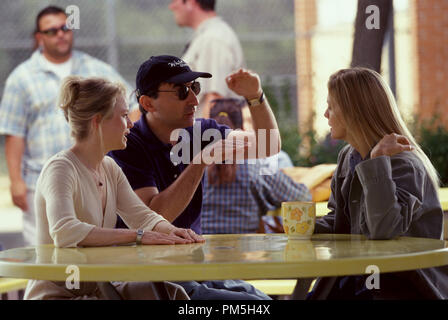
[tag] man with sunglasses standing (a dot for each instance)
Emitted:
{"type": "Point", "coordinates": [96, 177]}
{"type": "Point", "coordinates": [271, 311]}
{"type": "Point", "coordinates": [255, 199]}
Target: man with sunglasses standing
{"type": "Point", "coordinates": [167, 94]}
{"type": "Point", "coordinates": [34, 127]}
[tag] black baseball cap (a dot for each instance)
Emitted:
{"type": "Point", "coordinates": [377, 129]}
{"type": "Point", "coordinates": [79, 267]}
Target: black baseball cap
{"type": "Point", "coordinates": [158, 69]}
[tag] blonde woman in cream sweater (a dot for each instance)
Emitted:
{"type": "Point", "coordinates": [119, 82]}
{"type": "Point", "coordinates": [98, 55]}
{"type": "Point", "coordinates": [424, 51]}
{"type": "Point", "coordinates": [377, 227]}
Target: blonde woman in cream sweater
{"type": "Point", "coordinates": [80, 191]}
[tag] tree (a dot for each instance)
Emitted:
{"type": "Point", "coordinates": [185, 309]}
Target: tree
{"type": "Point", "coordinates": [371, 24]}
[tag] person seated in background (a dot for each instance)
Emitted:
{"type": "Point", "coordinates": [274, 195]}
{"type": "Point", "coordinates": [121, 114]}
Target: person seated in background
{"type": "Point", "coordinates": [80, 191]}
{"type": "Point", "coordinates": [235, 196]}
{"type": "Point", "coordinates": [384, 186]}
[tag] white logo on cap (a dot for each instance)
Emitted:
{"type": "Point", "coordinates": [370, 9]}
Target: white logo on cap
{"type": "Point", "coordinates": [177, 63]}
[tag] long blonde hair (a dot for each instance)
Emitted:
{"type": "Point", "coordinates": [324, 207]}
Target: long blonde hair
{"type": "Point", "coordinates": [83, 98]}
{"type": "Point", "coordinates": [369, 110]}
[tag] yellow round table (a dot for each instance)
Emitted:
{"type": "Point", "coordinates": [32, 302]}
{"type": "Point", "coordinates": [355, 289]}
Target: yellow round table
{"type": "Point", "coordinates": [239, 256]}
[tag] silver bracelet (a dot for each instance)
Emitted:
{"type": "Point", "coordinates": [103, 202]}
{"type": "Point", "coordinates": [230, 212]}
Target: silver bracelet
{"type": "Point", "coordinates": [140, 234]}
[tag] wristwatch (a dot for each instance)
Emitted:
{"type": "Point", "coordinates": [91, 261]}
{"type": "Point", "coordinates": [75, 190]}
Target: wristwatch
{"type": "Point", "coordinates": [140, 233]}
{"type": "Point", "coordinates": [255, 102]}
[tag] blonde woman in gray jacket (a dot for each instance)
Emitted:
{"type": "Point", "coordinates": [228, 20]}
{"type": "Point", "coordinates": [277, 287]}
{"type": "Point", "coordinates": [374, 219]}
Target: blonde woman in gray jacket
{"type": "Point", "coordinates": [384, 186]}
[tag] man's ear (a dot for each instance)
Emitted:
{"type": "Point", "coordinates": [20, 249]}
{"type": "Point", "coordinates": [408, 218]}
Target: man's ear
{"type": "Point", "coordinates": [194, 3]}
{"type": "Point", "coordinates": [38, 38]}
{"type": "Point", "coordinates": [146, 103]}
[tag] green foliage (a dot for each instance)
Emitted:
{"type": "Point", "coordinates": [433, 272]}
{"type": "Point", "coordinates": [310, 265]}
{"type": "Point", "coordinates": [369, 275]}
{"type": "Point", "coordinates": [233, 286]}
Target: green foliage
{"type": "Point", "coordinates": [325, 151]}
{"type": "Point", "coordinates": [433, 138]}
{"type": "Point", "coordinates": [282, 107]}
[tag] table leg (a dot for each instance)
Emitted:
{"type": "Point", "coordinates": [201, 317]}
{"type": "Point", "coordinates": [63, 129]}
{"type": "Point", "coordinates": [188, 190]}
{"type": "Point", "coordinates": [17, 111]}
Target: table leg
{"type": "Point", "coordinates": [109, 291]}
{"type": "Point", "coordinates": [301, 289]}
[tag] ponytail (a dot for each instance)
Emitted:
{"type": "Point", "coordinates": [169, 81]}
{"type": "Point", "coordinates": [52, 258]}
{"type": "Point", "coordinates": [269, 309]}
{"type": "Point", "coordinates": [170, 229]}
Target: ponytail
{"type": "Point", "coordinates": [82, 98]}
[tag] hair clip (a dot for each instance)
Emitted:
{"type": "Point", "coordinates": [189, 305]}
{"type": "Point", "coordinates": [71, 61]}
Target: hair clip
{"type": "Point", "coordinates": [223, 114]}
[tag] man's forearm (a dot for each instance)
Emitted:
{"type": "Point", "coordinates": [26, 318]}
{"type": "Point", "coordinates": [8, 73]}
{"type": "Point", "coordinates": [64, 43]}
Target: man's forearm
{"type": "Point", "coordinates": [247, 84]}
{"type": "Point", "coordinates": [263, 118]}
{"type": "Point", "coordinates": [172, 201]}
{"type": "Point", "coordinates": [14, 148]}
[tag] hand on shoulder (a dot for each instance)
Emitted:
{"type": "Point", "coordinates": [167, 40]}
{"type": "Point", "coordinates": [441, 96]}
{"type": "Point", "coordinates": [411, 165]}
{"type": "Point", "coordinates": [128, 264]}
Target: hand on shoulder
{"type": "Point", "coordinates": [390, 145]}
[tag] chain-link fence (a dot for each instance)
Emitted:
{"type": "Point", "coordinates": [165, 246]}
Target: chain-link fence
{"type": "Point", "coordinates": [126, 32]}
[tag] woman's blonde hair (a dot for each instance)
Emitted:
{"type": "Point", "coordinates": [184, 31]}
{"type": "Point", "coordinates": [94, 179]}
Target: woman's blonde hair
{"type": "Point", "coordinates": [83, 98]}
{"type": "Point", "coordinates": [370, 111]}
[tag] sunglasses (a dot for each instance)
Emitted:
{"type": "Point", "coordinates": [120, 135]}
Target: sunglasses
{"type": "Point", "coordinates": [54, 31]}
{"type": "Point", "coordinates": [183, 90]}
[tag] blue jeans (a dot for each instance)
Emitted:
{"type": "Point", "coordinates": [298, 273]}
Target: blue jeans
{"type": "Point", "coordinates": [222, 290]}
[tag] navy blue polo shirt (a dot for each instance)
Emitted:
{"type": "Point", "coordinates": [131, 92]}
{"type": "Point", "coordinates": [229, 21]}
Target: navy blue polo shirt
{"type": "Point", "coordinates": [146, 162]}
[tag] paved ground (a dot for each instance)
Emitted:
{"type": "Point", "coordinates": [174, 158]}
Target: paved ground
{"type": "Point", "coordinates": [10, 228]}
{"type": "Point", "coordinates": [11, 220]}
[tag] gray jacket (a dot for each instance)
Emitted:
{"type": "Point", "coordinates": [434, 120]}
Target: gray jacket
{"type": "Point", "coordinates": [384, 198]}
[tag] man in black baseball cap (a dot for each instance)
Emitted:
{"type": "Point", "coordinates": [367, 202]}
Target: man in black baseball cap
{"type": "Point", "coordinates": [167, 94]}
{"type": "Point", "coordinates": [170, 69]}
{"type": "Point", "coordinates": [174, 79]}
